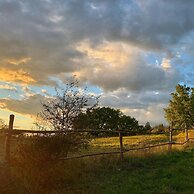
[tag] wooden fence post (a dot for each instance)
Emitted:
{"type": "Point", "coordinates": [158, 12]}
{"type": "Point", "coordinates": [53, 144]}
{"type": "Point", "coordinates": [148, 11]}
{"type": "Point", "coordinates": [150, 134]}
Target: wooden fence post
{"type": "Point", "coordinates": [186, 134]}
{"type": "Point", "coordinates": [121, 145]}
{"type": "Point", "coordinates": [8, 138]}
{"type": "Point", "coordinates": [170, 138]}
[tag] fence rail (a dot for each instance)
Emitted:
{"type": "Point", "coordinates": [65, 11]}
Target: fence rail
{"type": "Point", "coordinates": [10, 131]}
{"type": "Point", "coordinates": [126, 150]}
{"type": "Point", "coordinates": [18, 131]}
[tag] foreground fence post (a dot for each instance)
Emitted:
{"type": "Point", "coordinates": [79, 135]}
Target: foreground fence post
{"type": "Point", "coordinates": [170, 138]}
{"type": "Point", "coordinates": [8, 138]}
{"type": "Point", "coordinates": [121, 145]}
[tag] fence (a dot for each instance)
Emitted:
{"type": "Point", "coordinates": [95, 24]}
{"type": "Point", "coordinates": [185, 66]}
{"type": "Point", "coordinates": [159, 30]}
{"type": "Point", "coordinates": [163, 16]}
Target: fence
{"type": "Point", "coordinates": [10, 131]}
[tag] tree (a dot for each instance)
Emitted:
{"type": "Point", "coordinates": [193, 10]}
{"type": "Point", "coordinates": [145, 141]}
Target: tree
{"type": "Point", "coordinates": [59, 113]}
{"type": "Point", "coordinates": [158, 129]}
{"type": "Point", "coordinates": [2, 124]}
{"type": "Point", "coordinates": [180, 110]}
{"type": "Point", "coordinates": [148, 126]}
{"type": "Point", "coordinates": [128, 123]}
{"type": "Point", "coordinates": [61, 110]}
{"type": "Point", "coordinates": [105, 118]}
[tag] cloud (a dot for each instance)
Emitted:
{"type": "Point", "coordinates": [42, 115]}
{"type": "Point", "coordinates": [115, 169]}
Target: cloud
{"type": "Point", "coordinates": [166, 64]}
{"type": "Point", "coordinates": [144, 106]}
{"type": "Point", "coordinates": [123, 98]}
{"type": "Point", "coordinates": [40, 38]}
{"type": "Point", "coordinates": [18, 76]}
{"type": "Point", "coordinates": [31, 105]}
{"type": "Point", "coordinates": [118, 65]}
{"type": "Point", "coordinates": [8, 87]}
{"type": "Point", "coordinates": [153, 114]}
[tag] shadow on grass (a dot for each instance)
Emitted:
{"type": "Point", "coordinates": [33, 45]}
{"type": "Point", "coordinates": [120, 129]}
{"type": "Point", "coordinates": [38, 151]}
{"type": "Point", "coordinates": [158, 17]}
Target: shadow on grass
{"type": "Point", "coordinates": [165, 173]}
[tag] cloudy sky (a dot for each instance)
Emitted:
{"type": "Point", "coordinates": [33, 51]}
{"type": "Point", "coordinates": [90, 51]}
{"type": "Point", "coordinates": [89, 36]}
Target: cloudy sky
{"type": "Point", "coordinates": [131, 52]}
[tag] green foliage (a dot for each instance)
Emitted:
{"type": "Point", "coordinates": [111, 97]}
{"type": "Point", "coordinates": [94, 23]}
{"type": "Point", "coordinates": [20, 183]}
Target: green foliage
{"type": "Point", "coordinates": [44, 148]}
{"type": "Point", "coordinates": [105, 118]}
{"type": "Point", "coordinates": [36, 167]}
{"type": "Point", "coordinates": [180, 110]}
{"type": "Point", "coordinates": [128, 123]}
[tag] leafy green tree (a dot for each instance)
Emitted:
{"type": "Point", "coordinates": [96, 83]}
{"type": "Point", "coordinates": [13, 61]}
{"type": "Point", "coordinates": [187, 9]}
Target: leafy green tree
{"type": "Point", "coordinates": [128, 123]}
{"type": "Point", "coordinates": [180, 110]}
{"type": "Point", "coordinates": [105, 118]}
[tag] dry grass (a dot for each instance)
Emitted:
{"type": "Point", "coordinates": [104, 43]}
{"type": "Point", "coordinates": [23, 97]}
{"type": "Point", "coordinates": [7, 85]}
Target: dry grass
{"type": "Point", "coordinates": [112, 143]}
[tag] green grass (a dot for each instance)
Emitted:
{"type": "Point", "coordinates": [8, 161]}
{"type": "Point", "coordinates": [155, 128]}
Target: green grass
{"type": "Point", "coordinates": [157, 174]}
{"type": "Point", "coordinates": [165, 173]}
{"type": "Point", "coordinates": [143, 172]}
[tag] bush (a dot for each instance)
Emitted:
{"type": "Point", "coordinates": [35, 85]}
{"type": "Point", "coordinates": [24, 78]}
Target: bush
{"type": "Point", "coordinates": [43, 148]}
{"type": "Point", "coordinates": [36, 163]}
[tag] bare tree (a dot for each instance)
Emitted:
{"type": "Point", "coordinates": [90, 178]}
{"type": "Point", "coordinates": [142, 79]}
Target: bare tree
{"type": "Point", "coordinates": [61, 110]}
{"type": "Point", "coordinates": [2, 124]}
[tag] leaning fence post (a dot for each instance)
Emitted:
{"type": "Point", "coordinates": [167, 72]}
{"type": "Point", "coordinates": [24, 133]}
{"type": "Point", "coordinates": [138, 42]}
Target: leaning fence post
{"type": "Point", "coordinates": [121, 145]}
{"type": "Point", "coordinates": [170, 137]}
{"type": "Point", "coordinates": [8, 138]}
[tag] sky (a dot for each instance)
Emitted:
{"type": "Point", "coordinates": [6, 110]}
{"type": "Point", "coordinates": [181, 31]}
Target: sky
{"type": "Point", "coordinates": [130, 52]}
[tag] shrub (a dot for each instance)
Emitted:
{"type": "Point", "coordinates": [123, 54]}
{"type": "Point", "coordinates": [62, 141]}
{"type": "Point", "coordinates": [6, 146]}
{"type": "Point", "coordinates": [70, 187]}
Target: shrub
{"type": "Point", "coordinates": [36, 161]}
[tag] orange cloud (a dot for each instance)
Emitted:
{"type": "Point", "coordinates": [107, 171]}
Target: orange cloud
{"type": "Point", "coordinates": [15, 76]}
{"type": "Point", "coordinates": [114, 53]}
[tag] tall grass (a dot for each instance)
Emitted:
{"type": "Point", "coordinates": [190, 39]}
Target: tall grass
{"type": "Point", "coordinates": [152, 173]}
{"type": "Point", "coordinates": [146, 171]}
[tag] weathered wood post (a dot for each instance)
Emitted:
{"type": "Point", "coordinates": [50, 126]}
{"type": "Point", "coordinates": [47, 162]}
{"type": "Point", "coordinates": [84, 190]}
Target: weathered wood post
{"type": "Point", "coordinates": [170, 137]}
{"type": "Point", "coordinates": [8, 139]}
{"type": "Point", "coordinates": [121, 145]}
{"type": "Point", "coordinates": [186, 134]}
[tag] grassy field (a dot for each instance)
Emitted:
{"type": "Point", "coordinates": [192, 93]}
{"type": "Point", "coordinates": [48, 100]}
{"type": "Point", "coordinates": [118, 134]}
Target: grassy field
{"type": "Point", "coordinates": [151, 174]}
{"type": "Point", "coordinates": [112, 143]}
{"type": "Point", "coordinates": [144, 172]}
{"type": "Point", "coordinates": [157, 174]}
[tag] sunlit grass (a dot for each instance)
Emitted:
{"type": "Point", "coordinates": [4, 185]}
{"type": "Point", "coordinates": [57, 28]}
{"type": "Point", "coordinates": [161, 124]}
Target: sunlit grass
{"type": "Point", "coordinates": [128, 141]}
{"type": "Point", "coordinates": [106, 144]}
